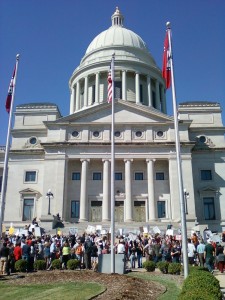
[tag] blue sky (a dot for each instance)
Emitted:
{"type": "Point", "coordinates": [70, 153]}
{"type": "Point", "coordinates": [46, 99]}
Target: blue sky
{"type": "Point", "coordinates": [52, 37]}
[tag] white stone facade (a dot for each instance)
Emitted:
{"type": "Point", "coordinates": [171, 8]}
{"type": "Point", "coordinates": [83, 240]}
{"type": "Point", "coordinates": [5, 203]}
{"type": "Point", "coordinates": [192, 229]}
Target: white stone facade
{"type": "Point", "coordinates": [71, 155]}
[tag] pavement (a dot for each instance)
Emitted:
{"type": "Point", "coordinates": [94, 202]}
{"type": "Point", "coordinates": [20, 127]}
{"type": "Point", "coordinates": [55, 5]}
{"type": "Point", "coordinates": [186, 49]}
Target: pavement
{"type": "Point", "coordinates": [221, 278]}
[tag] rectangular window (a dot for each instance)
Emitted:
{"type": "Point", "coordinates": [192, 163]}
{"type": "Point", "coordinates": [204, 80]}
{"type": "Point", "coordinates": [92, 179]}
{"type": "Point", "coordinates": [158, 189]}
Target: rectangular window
{"type": "Point", "coordinates": [30, 176]}
{"type": "Point", "coordinates": [93, 93]}
{"type": "Point", "coordinates": [118, 176]}
{"type": "Point", "coordinates": [206, 175]}
{"type": "Point", "coordinates": [28, 209]}
{"type": "Point", "coordinates": [209, 208]}
{"type": "Point", "coordinates": [76, 176]}
{"type": "Point", "coordinates": [75, 209]}
{"type": "Point", "coordinates": [97, 176]}
{"type": "Point", "coordinates": [161, 206]}
{"type": "Point", "coordinates": [141, 93]}
{"type": "Point", "coordinates": [159, 176]}
{"type": "Point", "coordinates": [138, 176]}
{"type": "Point", "coordinates": [153, 99]}
{"type": "Point", "coordinates": [118, 89]}
{"type": "Point", "coordinates": [0, 184]}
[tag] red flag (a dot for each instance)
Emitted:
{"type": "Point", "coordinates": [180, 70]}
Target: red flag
{"type": "Point", "coordinates": [109, 87]}
{"type": "Point", "coordinates": [166, 71]}
{"type": "Point", "coordinates": [10, 91]}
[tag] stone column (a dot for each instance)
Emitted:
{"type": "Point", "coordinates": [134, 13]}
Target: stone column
{"type": "Point", "coordinates": [157, 95]}
{"type": "Point", "coordinates": [106, 190]}
{"type": "Point", "coordinates": [137, 88]}
{"type": "Point", "coordinates": [83, 191]}
{"type": "Point", "coordinates": [78, 96]}
{"type": "Point", "coordinates": [128, 191]}
{"type": "Point", "coordinates": [72, 100]}
{"type": "Point", "coordinates": [151, 191]}
{"type": "Point", "coordinates": [97, 87]}
{"type": "Point", "coordinates": [124, 85]}
{"type": "Point", "coordinates": [86, 91]}
{"type": "Point", "coordinates": [149, 87]}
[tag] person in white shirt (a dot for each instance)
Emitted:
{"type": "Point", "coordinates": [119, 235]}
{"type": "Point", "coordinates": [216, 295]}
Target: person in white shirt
{"type": "Point", "coordinates": [191, 252]}
{"type": "Point", "coordinates": [121, 247]}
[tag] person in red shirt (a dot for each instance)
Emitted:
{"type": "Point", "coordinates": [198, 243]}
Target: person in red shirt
{"type": "Point", "coordinates": [17, 252]}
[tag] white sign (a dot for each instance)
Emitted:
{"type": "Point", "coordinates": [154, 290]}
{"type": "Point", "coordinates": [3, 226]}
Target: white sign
{"type": "Point", "coordinates": [90, 229]}
{"type": "Point", "coordinates": [73, 230]}
{"type": "Point", "coordinates": [99, 227]}
{"type": "Point", "coordinates": [37, 231]}
{"type": "Point", "coordinates": [156, 229]}
{"type": "Point", "coordinates": [145, 229]}
{"type": "Point", "coordinates": [169, 232]}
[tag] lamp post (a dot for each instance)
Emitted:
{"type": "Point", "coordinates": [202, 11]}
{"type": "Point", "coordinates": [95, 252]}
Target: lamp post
{"type": "Point", "coordinates": [49, 195]}
{"type": "Point", "coordinates": [186, 196]}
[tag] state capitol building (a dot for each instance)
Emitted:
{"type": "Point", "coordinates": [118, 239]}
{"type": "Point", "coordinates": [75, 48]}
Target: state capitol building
{"type": "Point", "coordinates": [71, 155]}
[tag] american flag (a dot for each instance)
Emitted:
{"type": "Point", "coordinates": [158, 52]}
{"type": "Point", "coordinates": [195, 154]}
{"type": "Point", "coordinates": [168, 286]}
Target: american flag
{"type": "Point", "coordinates": [10, 91]}
{"type": "Point", "coordinates": [109, 86]}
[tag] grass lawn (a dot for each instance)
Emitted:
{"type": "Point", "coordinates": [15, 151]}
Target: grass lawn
{"type": "Point", "coordinates": [75, 291]}
{"type": "Point", "coordinates": [173, 289]}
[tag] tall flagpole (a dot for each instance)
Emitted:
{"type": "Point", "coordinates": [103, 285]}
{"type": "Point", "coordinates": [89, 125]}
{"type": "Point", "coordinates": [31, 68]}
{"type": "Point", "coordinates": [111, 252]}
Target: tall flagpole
{"type": "Point", "coordinates": [179, 166]}
{"type": "Point", "coordinates": [5, 168]}
{"type": "Point", "coordinates": [112, 174]}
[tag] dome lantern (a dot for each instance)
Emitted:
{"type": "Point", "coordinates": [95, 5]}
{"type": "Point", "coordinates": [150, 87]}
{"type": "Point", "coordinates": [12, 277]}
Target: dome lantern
{"type": "Point", "coordinates": [117, 18]}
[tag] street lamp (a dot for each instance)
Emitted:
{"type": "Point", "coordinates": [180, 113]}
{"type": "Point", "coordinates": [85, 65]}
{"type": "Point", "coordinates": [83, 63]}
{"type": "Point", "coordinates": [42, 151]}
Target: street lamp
{"type": "Point", "coordinates": [49, 195]}
{"type": "Point", "coordinates": [186, 196]}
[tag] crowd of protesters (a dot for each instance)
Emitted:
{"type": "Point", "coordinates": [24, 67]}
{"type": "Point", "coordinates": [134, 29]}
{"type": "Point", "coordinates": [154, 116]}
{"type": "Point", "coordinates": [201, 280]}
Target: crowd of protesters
{"type": "Point", "coordinates": [87, 247]}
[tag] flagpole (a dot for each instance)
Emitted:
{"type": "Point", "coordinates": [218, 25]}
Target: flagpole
{"type": "Point", "coordinates": [112, 174]}
{"type": "Point", "coordinates": [5, 168]}
{"type": "Point", "coordinates": [179, 164]}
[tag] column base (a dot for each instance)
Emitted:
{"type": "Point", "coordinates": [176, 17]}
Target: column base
{"type": "Point", "coordinates": [82, 220]}
{"type": "Point", "coordinates": [106, 220]}
{"type": "Point", "coordinates": [129, 220]}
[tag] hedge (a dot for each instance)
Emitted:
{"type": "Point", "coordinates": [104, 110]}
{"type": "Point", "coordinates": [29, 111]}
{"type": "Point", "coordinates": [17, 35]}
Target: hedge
{"type": "Point", "coordinates": [200, 285]}
{"type": "Point", "coordinates": [149, 266]}
{"type": "Point", "coordinates": [40, 264]}
{"type": "Point", "coordinates": [174, 268]}
{"type": "Point", "coordinates": [72, 264]}
{"type": "Point", "coordinates": [56, 264]}
{"type": "Point", "coordinates": [163, 266]}
{"type": "Point", "coordinates": [21, 265]}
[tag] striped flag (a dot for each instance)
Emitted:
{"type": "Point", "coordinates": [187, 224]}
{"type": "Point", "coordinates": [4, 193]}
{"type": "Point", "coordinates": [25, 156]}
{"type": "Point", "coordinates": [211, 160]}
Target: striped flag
{"type": "Point", "coordinates": [110, 86]}
{"type": "Point", "coordinates": [166, 70]}
{"type": "Point", "coordinates": [10, 92]}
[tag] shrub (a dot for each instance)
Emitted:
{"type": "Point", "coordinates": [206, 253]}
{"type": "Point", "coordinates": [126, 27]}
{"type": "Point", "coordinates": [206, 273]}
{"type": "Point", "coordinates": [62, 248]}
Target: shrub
{"type": "Point", "coordinates": [72, 264]}
{"type": "Point", "coordinates": [200, 285]}
{"type": "Point", "coordinates": [163, 266]}
{"type": "Point", "coordinates": [21, 265]}
{"type": "Point", "coordinates": [149, 266]}
{"type": "Point", "coordinates": [40, 264]}
{"type": "Point", "coordinates": [56, 264]}
{"type": "Point", "coordinates": [174, 268]}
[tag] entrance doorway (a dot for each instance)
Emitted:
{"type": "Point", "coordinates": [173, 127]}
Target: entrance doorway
{"type": "Point", "coordinates": [119, 211]}
{"type": "Point", "coordinates": [139, 211]}
{"type": "Point", "coordinates": [96, 211]}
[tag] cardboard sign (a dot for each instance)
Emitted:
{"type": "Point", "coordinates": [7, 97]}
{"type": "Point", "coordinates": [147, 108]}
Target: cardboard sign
{"type": "Point", "coordinates": [156, 230]}
{"type": "Point", "coordinates": [90, 229]}
{"type": "Point", "coordinates": [178, 237]}
{"type": "Point", "coordinates": [73, 230]}
{"type": "Point", "coordinates": [169, 232]}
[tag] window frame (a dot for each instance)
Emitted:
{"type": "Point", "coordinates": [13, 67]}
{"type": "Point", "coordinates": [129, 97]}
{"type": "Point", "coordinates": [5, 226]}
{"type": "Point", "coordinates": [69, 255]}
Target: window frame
{"type": "Point", "coordinates": [76, 176]}
{"type": "Point", "coordinates": [26, 179]}
{"type": "Point", "coordinates": [76, 211]}
{"type": "Point", "coordinates": [158, 176]}
{"type": "Point", "coordinates": [204, 175]}
{"type": "Point", "coordinates": [98, 176]}
{"type": "Point", "coordinates": [26, 205]}
{"type": "Point", "coordinates": [119, 177]}
{"type": "Point", "coordinates": [136, 176]}
{"type": "Point", "coordinates": [210, 208]}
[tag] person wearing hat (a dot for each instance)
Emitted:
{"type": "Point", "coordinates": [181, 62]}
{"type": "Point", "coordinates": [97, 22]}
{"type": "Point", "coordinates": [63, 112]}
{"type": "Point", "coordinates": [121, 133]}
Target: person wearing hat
{"type": "Point", "coordinates": [209, 254]}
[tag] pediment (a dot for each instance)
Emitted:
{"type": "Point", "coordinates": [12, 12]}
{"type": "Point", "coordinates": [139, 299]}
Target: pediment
{"type": "Point", "coordinates": [208, 189]}
{"type": "Point", "coordinates": [124, 112]}
{"type": "Point", "coordinates": [29, 191]}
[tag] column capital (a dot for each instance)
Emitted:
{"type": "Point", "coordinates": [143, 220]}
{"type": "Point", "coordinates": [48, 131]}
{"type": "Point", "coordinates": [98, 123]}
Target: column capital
{"type": "Point", "coordinates": [106, 159]}
{"type": "Point", "coordinates": [128, 159]}
{"type": "Point", "coordinates": [85, 159]}
{"type": "Point", "coordinates": [150, 159]}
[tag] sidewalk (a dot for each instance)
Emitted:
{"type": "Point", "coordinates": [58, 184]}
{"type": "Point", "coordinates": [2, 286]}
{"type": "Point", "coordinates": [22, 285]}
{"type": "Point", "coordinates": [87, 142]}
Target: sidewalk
{"type": "Point", "coordinates": [221, 278]}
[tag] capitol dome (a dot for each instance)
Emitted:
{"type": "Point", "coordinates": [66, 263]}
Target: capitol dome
{"type": "Point", "coordinates": [137, 77]}
{"type": "Point", "coordinates": [119, 39]}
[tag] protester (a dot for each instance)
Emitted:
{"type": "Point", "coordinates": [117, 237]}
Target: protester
{"type": "Point", "coordinates": [209, 254]}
